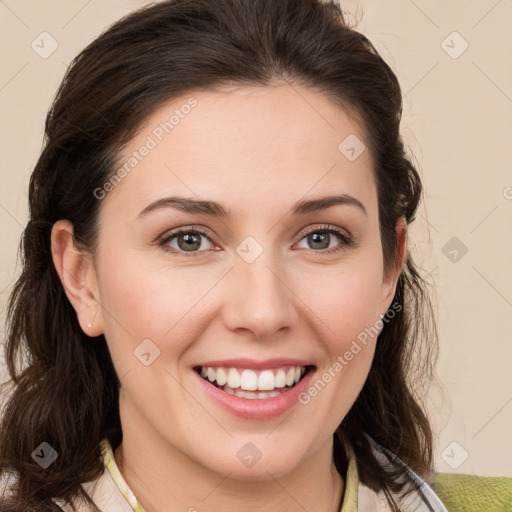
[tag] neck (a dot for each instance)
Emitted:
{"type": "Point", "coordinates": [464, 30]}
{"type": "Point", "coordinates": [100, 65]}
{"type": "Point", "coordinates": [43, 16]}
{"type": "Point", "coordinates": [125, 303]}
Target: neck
{"type": "Point", "coordinates": [164, 478]}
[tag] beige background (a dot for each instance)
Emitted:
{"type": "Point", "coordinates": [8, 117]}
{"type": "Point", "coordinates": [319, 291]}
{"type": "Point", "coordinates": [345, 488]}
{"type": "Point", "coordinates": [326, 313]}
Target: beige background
{"type": "Point", "coordinates": [457, 121]}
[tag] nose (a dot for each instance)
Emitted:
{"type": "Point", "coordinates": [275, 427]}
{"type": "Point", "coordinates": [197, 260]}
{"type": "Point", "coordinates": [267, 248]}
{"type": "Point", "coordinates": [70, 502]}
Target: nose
{"type": "Point", "coordinates": [261, 300]}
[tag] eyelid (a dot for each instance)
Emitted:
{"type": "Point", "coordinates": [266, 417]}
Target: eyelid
{"type": "Point", "coordinates": [345, 237]}
{"type": "Point", "coordinates": [324, 227]}
{"type": "Point", "coordinates": [347, 241]}
{"type": "Point", "coordinates": [163, 239]}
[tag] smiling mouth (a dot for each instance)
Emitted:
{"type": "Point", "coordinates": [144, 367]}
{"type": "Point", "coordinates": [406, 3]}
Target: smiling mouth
{"type": "Point", "coordinates": [251, 384]}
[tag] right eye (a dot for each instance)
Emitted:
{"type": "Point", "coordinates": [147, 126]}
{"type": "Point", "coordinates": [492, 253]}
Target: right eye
{"type": "Point", "coordinates": [188, 241]}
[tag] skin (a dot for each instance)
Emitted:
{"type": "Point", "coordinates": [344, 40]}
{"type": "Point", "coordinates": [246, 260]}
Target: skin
{"type": "Point", "coordinates": [179, 448]}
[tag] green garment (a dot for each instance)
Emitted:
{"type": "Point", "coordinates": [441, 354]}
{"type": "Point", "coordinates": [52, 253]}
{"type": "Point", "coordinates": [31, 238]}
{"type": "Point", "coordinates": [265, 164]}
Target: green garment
{"type": "Point", "coordinates": [471, 493]}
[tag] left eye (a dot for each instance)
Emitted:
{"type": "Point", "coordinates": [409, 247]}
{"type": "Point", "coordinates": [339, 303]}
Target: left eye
{"type": "Point", "coordinates": [322, 238]}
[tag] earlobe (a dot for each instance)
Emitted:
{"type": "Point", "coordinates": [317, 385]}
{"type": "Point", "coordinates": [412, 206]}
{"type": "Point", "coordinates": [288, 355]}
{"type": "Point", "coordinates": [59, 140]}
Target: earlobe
{"type": "Point", "coordinates": [78, 277]}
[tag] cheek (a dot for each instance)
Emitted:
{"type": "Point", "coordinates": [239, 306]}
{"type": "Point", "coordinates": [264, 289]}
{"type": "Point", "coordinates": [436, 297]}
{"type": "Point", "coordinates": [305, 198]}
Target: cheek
{"type": "Point", "coordinates": [346, 302]}
{"type": "Point", "coordinates": [145, 301]}
{"type": "Point", "coordinates": [345, 316]}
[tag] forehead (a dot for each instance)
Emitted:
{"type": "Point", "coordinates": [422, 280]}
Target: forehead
{"type": "Point", "coordinates": [244, 144]}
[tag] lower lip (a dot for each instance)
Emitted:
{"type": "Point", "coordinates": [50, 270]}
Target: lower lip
{"type": "Point", "coordinates": [257, 408]}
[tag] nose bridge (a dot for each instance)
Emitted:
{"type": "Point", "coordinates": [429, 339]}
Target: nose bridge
{"type": "Point", "coordinates": [263, 302]}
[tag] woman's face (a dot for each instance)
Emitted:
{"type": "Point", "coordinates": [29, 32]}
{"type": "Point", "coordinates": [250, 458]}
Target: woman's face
{"type": "Point", "coordinates": [264, 283]}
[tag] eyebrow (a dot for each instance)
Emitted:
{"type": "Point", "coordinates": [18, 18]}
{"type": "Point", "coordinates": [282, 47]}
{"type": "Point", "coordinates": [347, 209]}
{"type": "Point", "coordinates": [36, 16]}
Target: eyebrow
{"type": "Point", "coordinates": [214, 209]}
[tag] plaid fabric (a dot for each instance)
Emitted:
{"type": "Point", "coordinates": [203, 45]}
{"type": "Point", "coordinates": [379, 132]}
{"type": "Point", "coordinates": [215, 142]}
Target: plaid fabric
{"type": "Point", "coordinates": [113, 469]}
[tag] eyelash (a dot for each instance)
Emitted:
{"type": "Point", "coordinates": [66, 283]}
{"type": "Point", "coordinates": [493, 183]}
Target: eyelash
{"type": "Point", "coordinates": [347, 240]}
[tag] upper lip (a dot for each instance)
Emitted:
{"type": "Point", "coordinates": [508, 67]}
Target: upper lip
{"type": "Point", "coordinates": [255, 364]}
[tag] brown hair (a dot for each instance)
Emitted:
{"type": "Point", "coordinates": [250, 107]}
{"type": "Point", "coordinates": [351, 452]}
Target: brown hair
{"type": "Point", "coordinates": [63, 382]}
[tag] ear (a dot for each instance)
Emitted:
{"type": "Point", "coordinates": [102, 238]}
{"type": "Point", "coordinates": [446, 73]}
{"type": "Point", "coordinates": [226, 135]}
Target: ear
{"type": "Point", "coordinates": [78, 277]}
{"type": "Point", "coordinates": [390, 279]}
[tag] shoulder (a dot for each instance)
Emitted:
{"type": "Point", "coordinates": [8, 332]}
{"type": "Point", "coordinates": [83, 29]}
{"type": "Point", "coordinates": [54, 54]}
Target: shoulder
{"type": "Point", "coordinates": [468, 493]}
{"type": "Point", "coordinates": [107, 491]}
{"type": "Point", "coordinates": [104, 493]}
{"type": "Point", "coordinates": [415, 496]}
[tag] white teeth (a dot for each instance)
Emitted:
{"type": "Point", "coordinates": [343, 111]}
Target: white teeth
{"type": "Point", "coordinates": [251, 395]}
{"type": "Point", "coordinates": [233, 378]}
{"type": "Point", "coordinates": [228, 390]}
{"type": "Point", "coordinates": [222, 377]}
{"type": "Point", "coordinates": [280, 379]}
{"type": "Point", "coordinates": [266, 380]}
{"type": "Point", "coordinates": [252, 380]}
{"type": "Point", "coordinates": [249, 380]}
{"type": "Point", "coordinates": [290, 377]}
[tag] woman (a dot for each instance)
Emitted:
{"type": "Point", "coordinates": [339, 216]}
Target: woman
{"type": "Point", "coordinates": [217, 299]}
